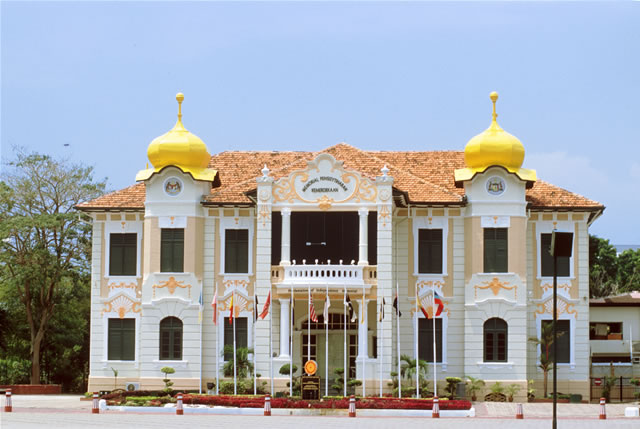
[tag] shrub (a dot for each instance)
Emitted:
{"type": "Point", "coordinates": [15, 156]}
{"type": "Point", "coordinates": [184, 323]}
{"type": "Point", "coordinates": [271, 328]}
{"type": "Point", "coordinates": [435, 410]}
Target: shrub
{"type": "Point", "coordinates": [452, 385]}
{"type": "Point", "coordinates": [14, 371]}
{"type": "Point", "coordinates": [167, 383]}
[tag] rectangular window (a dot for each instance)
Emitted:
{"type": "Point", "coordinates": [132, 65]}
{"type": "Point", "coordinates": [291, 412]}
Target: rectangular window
{"type": "Point", "coordinates": [430, 251]}
{"type": "Point", "coordinates": [495, 250]}
{"type": "Point", "coordinates": [305, 348]}
{"type": "Point", "coordinates": [172, 251]}
{"type": "Point", "coordinates": [605, 331]}
{"type": "Point", "coordinates": [546, 260]}
{"type": "Point", "coordinates": [236, 251]}
{"type": "Point", "coordinates": [122, 254]}
{"type": "Point", "coordinates": [564, 341]}
{"type": "Point", "coordinates": [122, 339]}
{"type": "Point", "coordinates": [241, 335]}
{"type": "Point", "coordinates": [425, 341]}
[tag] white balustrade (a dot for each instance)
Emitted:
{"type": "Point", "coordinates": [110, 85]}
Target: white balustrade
{"type": "Point", "coordinates": [337, 275]}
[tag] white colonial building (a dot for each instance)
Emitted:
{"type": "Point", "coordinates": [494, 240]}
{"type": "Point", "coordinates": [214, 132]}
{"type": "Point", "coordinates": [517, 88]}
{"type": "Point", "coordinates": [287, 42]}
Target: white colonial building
{"type": "Point", "coordinates": [473, 227]}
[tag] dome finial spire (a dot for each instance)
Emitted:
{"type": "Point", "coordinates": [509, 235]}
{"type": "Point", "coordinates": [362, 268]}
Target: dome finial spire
{"type": "Point", "coordinates": [180, 99]}
{"type": "Point", "coordinates": [494, 97]}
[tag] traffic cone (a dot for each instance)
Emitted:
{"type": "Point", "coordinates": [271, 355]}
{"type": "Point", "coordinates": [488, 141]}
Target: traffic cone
{"type": "Point", "coordinates": [519, 412]}
{"type": "Point", "coordinates": [436, 408]}
{"type": "Point", "coordinates": [7, 402]}
{"type": "Point", "coordinates": [352, 406]}
{"type": "Point", "coordinates": [95, 409]}
{"type": "Point", "coordinates": [603, 410]}
{"type": "Point", "coordinates": [179, 409]}
{"type": "Point", "coordinates": [267, 405]}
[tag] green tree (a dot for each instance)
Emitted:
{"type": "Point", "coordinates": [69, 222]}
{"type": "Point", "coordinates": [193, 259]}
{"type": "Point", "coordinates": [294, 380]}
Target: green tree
{"type": "Point", "coordinates": [245, 366]}
{"type": "Point", "coordinates": [629, 270]}
{"type": "Point", "coordinates": [45, 243]}
{"type": "Point", "coordinates": [603, 268]}
{"type": "Point", "coordinates": [545, 341]}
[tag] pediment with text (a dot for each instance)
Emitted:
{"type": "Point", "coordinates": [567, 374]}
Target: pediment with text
{"type": "Point", "coordinates": [324, 183]}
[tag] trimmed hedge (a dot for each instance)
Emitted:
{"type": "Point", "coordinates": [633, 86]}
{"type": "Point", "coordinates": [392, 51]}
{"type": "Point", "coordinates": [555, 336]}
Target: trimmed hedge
{"type": "Point", "coordinates": [341, 403]}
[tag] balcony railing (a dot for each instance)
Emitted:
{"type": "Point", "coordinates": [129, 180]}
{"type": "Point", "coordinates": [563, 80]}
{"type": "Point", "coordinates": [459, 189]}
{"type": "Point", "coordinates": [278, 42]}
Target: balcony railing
{"type": "Point", "coordinates": [321, 275]}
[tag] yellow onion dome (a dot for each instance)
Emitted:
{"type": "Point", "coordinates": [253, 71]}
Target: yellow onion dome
{"type": "Point", "coordinates": [494, 146]}
{"type": "Point", "coordinates": [179, 148]}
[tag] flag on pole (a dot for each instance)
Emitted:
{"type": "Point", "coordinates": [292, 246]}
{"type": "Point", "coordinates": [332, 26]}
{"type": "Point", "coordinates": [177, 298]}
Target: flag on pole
{"type": "Point", "coordinates": [419, 305]}
{"type": "Point", "coordinates": [231, 309]}
{"type": "Point", "coordinates": [381, 312]}
{"type": "Point", "coordinates": [265, 309]}
{"type": "Point", "coordinates": [347, 302]}
{"type": "Point", "coordinates": [325, 312]}
{"type": "Point", "coordinates": [255, 307]}
{"type": "Point", "coordinates": [437, 300]}
{"type": "Point", "coordinates": [395, 306]}
{"type": "Point", "coordinates": [200, 308]}
{"type": "Point", "coordinates": [214, 305]}
{"type": "Point", "coordinates": [312, 311]}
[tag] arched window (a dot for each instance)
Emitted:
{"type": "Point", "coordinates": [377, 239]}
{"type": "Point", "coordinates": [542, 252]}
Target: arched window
{"type": "Point", "coordinates": [171, 339]}
{"type": "Point", "coordinates": [495, 340]}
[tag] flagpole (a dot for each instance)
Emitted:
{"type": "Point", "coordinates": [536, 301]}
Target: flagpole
{"type": "Point", "coordinates": [235, 366]}
{"type": "Point", "coordinates": [416, 332]}
{"type": "Point", "coordinates": [365, 353]}
{"type": "Point", "coordinates": [308, 324]}
{"type": "Point", "coordinates": [398, 338]}
{"type": "Point", "coordinates": [631, 343]}
{"type": "Point", "coordinates": [380, 348]}
{"type": "Point", "coordinates": [344, 374]}
{"type": "Point", "coordinates": [326, 346]}
{"type": "Point", "coordinates": [201, 317]}
{"type": "Point", "coordinates": [271, 341]}
{"type": "Point", "coordinates": [217, 341]}
{"type": "Point", "coordinates": [255, 320]}
{"type": "Point", "coordinates": [433, 315]}
{"type": "Point", "coordinates": [291, 324]}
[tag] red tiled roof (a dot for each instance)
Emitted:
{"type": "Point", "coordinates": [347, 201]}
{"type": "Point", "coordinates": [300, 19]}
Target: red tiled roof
{"type": "Point", "coordinates": [627, 299]}
{"type": "Point", "coordinates": [426, 177]}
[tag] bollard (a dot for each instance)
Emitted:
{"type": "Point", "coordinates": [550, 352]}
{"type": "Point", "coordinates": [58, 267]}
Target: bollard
{"type": "Point", "coordinates": [352, 406]}
{"type": "Point", "coordinates": [7, 402]}
{"type": "Point", "coordinates": [603, 410]}
{"type": "Point", "coordinates": [179, 409]}
{"type": "Point", "coordinates": [435, 413]}
{"type": "Point", "coordinates": [267, 405]}
{"type": "Point", "coordinates": [96, 399]}
{"type": "Point", "coordinates": [519, 412]}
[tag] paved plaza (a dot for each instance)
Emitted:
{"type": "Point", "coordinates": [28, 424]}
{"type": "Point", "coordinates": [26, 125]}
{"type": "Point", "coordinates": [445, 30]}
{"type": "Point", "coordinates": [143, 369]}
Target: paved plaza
{"type": "Point", "coordinates": [67, 411]}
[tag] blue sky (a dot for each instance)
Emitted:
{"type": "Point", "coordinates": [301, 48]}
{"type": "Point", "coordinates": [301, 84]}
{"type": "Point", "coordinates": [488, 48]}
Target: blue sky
{"type": "Point", "coordinates": [102, 77]}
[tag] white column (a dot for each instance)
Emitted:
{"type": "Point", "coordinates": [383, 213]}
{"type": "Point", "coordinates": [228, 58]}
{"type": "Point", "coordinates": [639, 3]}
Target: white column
{"type": "Point", "coordinates": [285, 255]}
{"type": "Point", "coordinates": [363, 244]}
{"type": "Point", "coordinates": [284, 328]}
{"type": "Point", "coordinates": [363, 330]}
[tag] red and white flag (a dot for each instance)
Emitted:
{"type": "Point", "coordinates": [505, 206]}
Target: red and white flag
{"type": "Point", "coordinates": [312, 313]}
{"type": "Point", "coordinates": [214, 305]}
{"type": "Point", "coordinates": [265, 309]}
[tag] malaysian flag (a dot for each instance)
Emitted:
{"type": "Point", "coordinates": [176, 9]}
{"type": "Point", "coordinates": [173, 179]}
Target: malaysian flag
{"type": "Point", "coordinates": [312, 311]}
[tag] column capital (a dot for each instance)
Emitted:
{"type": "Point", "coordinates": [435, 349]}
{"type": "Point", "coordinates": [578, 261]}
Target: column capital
{"type": "Point", "coordinates": [363, 211]}
{"type": "Point", "coordinates": [285, 211]}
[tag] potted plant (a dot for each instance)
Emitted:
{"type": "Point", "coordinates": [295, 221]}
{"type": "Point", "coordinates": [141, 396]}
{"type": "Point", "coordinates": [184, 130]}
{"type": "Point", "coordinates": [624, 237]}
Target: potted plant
{"type": "Point", "coordinates": [512, 390]}
{"type": "Point", "coordinates": [474, 385]}
{"type": "Point", "coordinates": [531, 392]}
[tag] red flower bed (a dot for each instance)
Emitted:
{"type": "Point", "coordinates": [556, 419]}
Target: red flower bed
{"type": "Point", "coordinates": [341, 403]}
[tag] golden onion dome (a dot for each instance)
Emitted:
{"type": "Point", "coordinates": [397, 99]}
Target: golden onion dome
{"type": "Point", "coordinates": [180, 148]}
{"type": "Point", "coordinates": [494, 146]}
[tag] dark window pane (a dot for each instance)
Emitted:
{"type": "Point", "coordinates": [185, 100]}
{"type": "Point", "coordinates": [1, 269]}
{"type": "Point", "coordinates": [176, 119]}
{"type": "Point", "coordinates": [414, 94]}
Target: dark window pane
{"type": "Point", "coordinates": [241, 334]}
{"type": "Point", "coordinates": [430, 251]}
{"type": "Point", "coordinates": [495, 340]}
{"type": "Point", "coordinates": [495, 250]}
{"type": "Point", "coordinates": [546, 260]}
{"type": "Point", "coordinates": [425, 341]}
{"type": "Point", "coordinates": [122, 254]}
{"type": "Point", "coordinates": [564, 341]}
{"type": "Point", "coordinates": [121, 341]}
{"type": "Point", "coordinates": [171, 339]}
{"type": "Point", "coordinates": [172, 250]}
{"type": "Point", "coordinates": [236, 254]}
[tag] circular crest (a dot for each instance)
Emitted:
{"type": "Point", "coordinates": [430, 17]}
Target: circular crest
{"type": "Point", "coordinates": [496, 185]}
{"type": "Point", "coordinates": [310, 367]}
{"type": "Point", "coordinates": [173, 186]}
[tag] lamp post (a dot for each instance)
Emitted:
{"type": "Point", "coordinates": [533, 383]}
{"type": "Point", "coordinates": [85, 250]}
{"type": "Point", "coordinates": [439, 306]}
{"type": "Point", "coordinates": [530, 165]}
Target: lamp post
{"type": "Point", "coordinates": [561, 244]}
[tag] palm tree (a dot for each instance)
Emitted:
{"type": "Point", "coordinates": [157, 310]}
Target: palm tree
{"type": "Point", "coordinates": [245, 366]}
{"type": "Point", "coordinates": [545, 341]}
{"type": "Point", "coordinates": [408, 369]}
